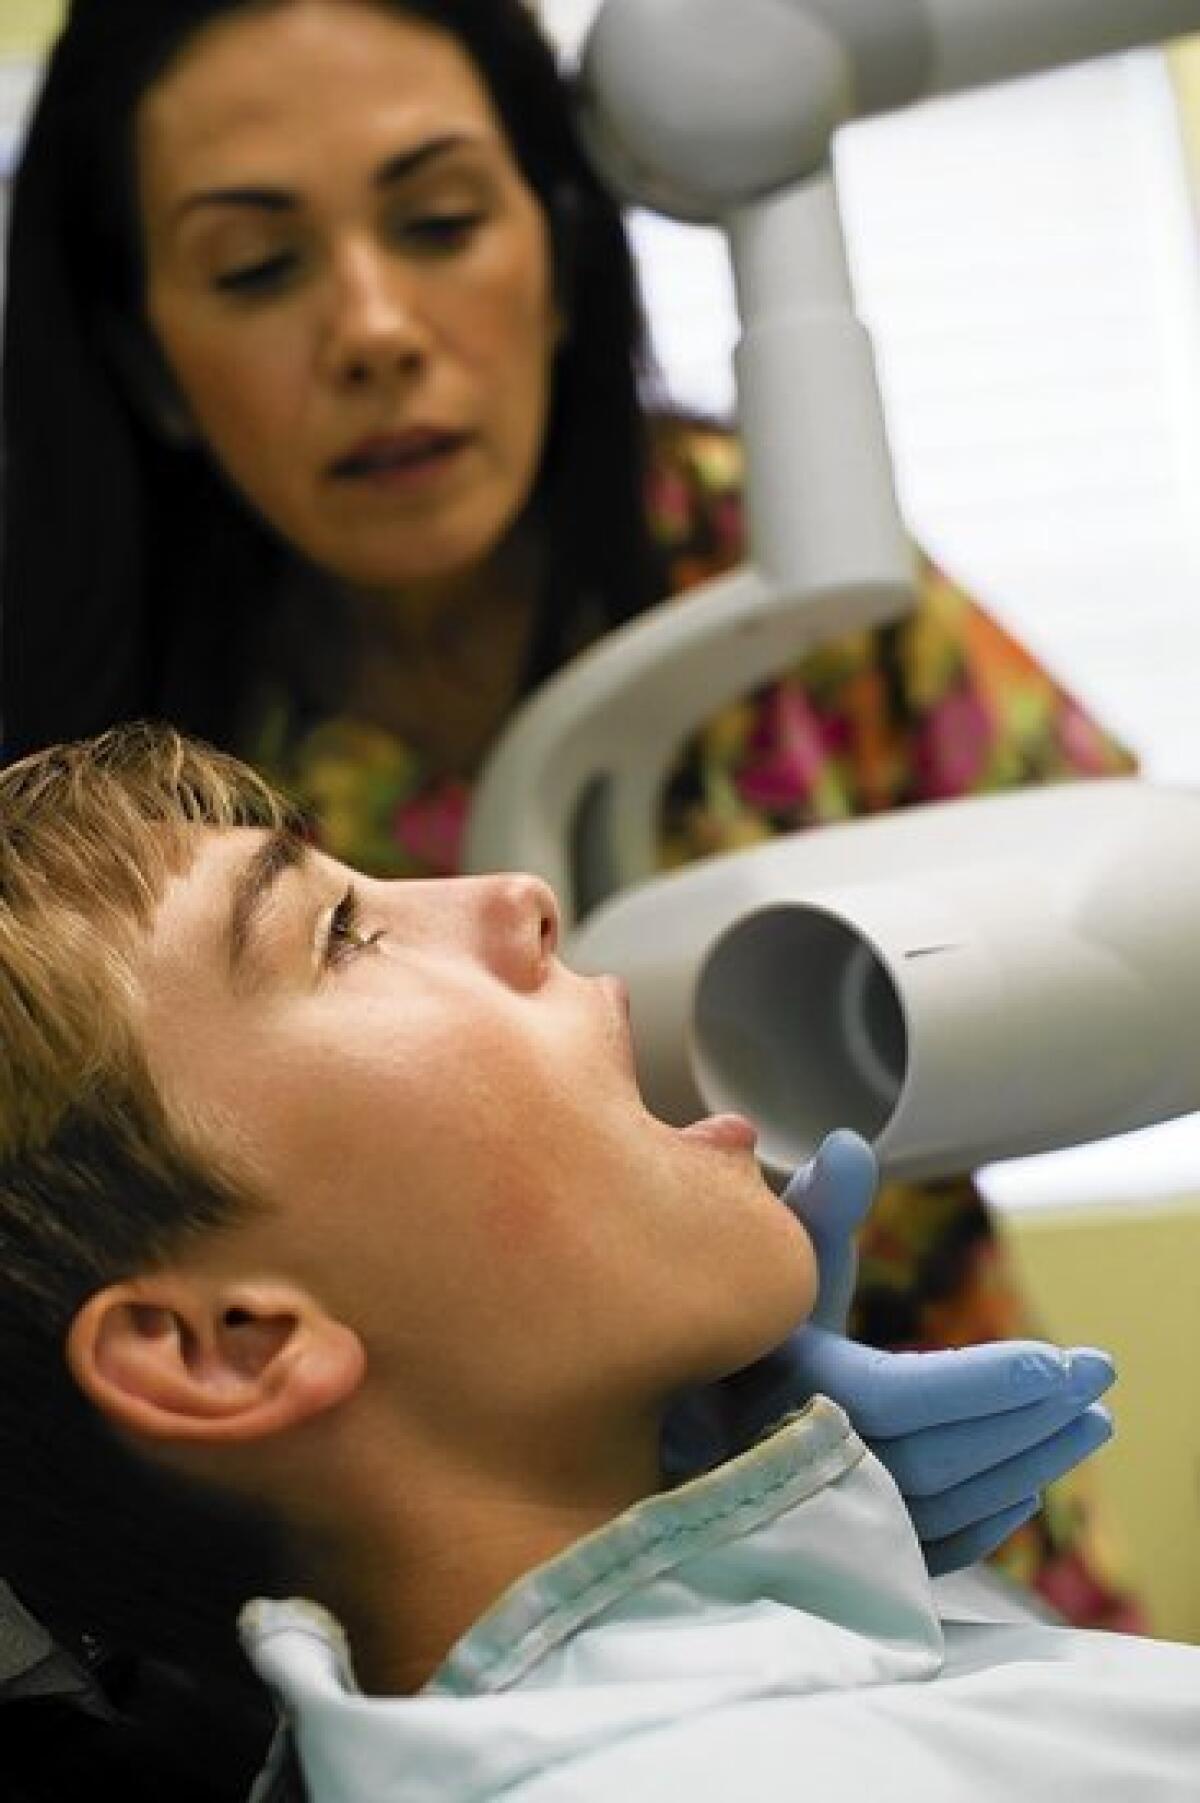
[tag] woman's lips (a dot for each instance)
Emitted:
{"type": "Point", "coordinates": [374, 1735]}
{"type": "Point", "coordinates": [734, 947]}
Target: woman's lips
{"type": "Point", "coordinates": [402, 460]}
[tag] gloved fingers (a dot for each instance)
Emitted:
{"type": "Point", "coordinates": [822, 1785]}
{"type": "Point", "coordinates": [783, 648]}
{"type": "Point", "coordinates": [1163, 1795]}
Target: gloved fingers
{"type": "Point", "coordinates": [937, 1517]}
{"type": "Point", "coordinates": [982, 1537]}
{"type": "Point", "coordinates": [694, 1434]}
{"type": "Point", "coordinates": [760, 1395]}
{"type": "Point", "coordinates": [938, 1458]}
{"type": "Point", "coordinates": [891, 1393]}
{"type": "Point", "coordinates": [831, 1195]}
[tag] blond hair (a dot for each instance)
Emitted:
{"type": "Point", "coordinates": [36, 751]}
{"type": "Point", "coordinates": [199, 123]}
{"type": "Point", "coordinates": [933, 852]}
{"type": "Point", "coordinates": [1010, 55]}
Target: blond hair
{"type": "Point", "coordinates": [89, 835]}
{"type": "Point", "coordinates": [96, 1183]}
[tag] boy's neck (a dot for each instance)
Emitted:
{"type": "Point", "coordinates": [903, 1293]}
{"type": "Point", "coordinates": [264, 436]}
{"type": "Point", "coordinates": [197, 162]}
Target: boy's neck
{"type": "Point", "coordinates": [411, 1572]}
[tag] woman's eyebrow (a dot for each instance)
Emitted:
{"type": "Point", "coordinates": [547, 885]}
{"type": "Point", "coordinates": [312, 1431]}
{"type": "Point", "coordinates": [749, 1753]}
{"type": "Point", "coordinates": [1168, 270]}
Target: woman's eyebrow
{"type": "Point", "coordinates": [260, 198]}
{"type": "Point", "coordinates": [263, 200]}
{"type": "Point", "coordinates": [410, 162]}
{"type": "Point", "coordinates": [281, 851]}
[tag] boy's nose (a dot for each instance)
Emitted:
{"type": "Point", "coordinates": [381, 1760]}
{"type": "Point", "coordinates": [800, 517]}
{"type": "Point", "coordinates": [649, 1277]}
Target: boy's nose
{"type": "Point", "coordinates": [520, 924]}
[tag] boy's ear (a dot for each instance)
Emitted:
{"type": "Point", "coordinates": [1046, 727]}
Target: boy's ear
{"type": "Point", "coordinates": [179, 1357]}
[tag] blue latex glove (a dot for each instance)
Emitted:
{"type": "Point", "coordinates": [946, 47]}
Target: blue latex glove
{"type": "Point", "coordinates": [970, 1437]}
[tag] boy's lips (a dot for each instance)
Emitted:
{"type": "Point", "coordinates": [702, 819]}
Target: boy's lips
{"type": "Point", "coordinates": [728, 1132]}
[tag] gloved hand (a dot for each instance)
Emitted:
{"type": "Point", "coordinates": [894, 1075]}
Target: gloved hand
{"type": "Point", "coordinates": [971, 1437]}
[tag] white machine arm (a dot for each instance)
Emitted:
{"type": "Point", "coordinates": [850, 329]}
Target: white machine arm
{"type": "Point", "coordinates": [962, 981]}
{"type": "Point", "coordinates": [724, 110]}
{"type": "Point", "coordinates": [695, 107]}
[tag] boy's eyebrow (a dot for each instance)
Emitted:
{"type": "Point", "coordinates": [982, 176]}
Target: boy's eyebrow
{"type": "Point", "coordinates": [281, 851]}
{"type": "Point", "coordinates": [282, 200]}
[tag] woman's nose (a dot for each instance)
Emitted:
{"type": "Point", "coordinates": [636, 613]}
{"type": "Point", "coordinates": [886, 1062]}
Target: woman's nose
{"type": "Point", "coordinates": [377, 331]}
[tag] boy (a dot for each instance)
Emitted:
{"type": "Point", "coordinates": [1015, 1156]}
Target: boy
{"type": "Point", "coordinates": [375, 1280]}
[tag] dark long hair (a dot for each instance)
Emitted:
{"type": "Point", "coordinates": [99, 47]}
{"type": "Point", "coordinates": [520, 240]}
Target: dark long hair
{"type": "Point", "coordinates": [130, 574]}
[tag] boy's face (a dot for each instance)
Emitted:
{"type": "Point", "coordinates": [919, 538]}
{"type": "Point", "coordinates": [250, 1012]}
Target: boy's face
{"type": "Point", "coordinates": [446, 1123]}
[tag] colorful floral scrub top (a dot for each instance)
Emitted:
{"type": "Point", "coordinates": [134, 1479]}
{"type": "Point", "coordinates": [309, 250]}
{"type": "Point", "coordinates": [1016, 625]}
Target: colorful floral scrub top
{"type": "Point", "coordinates": [942, 704]}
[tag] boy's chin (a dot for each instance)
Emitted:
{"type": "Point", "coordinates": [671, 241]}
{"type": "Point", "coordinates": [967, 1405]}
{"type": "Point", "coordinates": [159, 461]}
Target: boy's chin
{"type": "Point", "coordinates": [783, 1308]}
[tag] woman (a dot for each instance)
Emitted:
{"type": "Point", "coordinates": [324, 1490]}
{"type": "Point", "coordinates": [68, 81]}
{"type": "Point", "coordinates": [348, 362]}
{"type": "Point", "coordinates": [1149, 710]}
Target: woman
{"type": "Point", "coordinates": [325, 438]}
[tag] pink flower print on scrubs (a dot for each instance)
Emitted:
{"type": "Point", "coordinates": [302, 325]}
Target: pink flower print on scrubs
{"type": "Point", "coordinates": [787, 752]}
{"type": "Point", "coordinates": [432, 826]}
{"type": "Point", "coordinates": [953, 747]}
{"type": "Point", "coordinates": [1085, 748]}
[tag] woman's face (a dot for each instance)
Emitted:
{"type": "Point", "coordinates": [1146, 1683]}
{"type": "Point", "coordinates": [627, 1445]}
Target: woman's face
{"type": "Point", "coordinates": [350, 283]}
